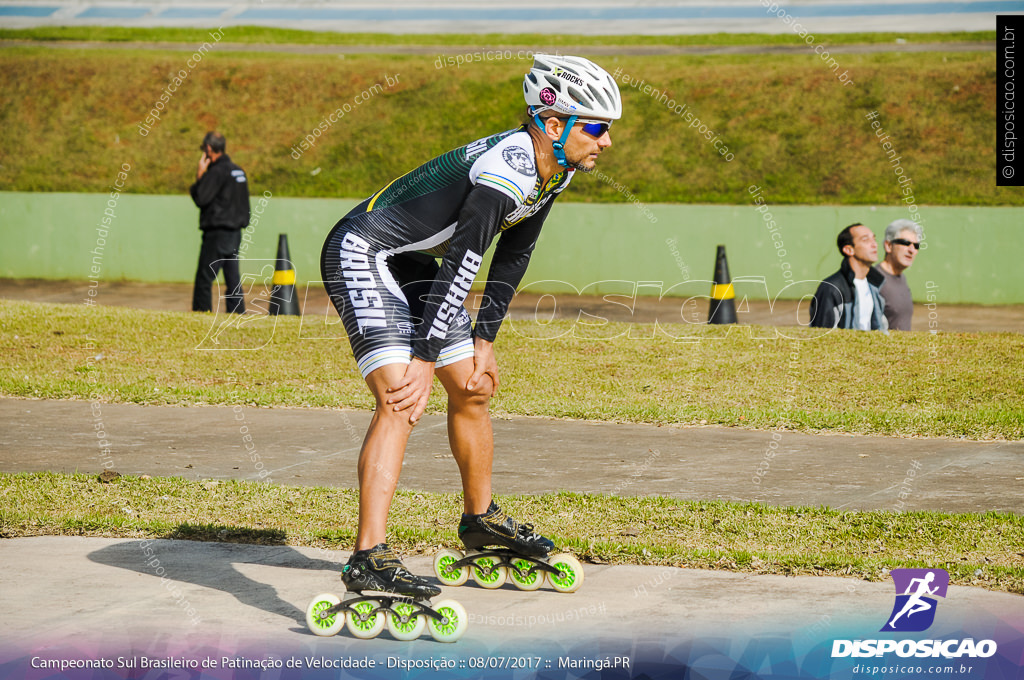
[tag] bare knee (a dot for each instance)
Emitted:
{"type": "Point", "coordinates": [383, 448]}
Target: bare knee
{"type": "Point", "coordinates": [385, 416]}
{"type": "Point", "coordinates": [479, 396]}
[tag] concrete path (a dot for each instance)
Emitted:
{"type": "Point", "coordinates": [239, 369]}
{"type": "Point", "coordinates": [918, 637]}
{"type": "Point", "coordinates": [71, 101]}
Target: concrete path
{"type": "Point", "coordinates": [97, 598]}
{"type": "Point", "coordinates": [533, 456]}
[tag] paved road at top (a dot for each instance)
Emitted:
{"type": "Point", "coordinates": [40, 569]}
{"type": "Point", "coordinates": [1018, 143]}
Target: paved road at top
{"type": "Point", "coordinates": [528, 16]}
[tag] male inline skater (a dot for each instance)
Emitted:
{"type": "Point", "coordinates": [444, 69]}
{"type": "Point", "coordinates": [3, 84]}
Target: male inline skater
{"type": "Point", "coordinates": [404, 313]}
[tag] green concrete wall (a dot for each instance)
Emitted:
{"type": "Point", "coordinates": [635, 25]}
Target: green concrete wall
{"type": "Point", "coordinates": [971, 254]}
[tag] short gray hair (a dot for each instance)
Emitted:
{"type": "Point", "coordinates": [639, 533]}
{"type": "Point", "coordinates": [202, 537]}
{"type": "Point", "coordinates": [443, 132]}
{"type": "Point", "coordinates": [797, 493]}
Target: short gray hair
{"type": "Point", "coordinates": [895, 228]}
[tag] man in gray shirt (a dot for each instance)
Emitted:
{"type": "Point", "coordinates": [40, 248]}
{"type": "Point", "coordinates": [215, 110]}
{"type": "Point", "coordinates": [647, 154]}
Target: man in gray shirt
{"type": "Point", "coordinates": [902, 240]}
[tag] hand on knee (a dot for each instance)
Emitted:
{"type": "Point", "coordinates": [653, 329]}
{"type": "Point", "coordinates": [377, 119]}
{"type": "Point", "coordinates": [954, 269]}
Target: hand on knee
{"type": "Point", "coordinates": [480, 395]}
{"type": "Point", "coordinates": [387, 416]}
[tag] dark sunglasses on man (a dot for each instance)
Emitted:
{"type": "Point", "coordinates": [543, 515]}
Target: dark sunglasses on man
{"type": "Point", "coordinates": [905, 242]}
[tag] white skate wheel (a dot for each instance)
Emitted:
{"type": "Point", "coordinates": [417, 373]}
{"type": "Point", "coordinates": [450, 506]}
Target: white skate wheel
{"type": "Point", "coordinates": [487, 574]}
{"type": "Point", "coordinates": [527, 580]}
{"type": "Point", "coordinates": [324, 627]}
{"type": "Point", "coordinates": [364, 622]}
{"type": "Point", "coordinates": [456, 621]}
{"type": "Point", "coordinates": [450, 576]}
{"type": "Point", "coordinates": [411, 627]}
{"type": "Point", "coordinates": [570, 576]}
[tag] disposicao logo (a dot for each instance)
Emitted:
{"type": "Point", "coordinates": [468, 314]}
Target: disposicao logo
{"type": "Point", "coordinates": [914, 610]}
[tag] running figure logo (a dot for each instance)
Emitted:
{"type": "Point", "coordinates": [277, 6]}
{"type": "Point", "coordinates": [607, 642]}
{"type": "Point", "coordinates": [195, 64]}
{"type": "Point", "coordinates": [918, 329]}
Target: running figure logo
{"type": "Point", "coordinates": [914, 611]}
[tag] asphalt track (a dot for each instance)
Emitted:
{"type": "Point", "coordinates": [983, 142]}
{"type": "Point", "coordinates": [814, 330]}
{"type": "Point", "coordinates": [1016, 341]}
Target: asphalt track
{"type": "Point", "coordinates": [313, 447]}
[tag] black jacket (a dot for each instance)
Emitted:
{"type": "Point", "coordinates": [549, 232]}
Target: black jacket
{"type": "Point", "coordinates": [835, 303]}
{"type": "Point", "coordinates": [222, 194]}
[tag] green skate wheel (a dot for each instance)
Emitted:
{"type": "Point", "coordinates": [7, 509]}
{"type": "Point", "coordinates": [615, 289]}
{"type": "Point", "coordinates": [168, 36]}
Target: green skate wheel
{"type": "Point", "coordinates": [455, 624]}
{"type": "Point", "coordinates": [529, 579]}
{"type": "Point", "coordinates": [448, 576]}
{"type": "Point", "coordinates": [487, 574]}
{"type": "Point", "coordinates": [570, 577]}
{"type": "Point", "coordinates": [324, 627]}
{"type": "Point", "coordinates": [365, 622]}
{"type": "Point", "coordinates": [405, 622]}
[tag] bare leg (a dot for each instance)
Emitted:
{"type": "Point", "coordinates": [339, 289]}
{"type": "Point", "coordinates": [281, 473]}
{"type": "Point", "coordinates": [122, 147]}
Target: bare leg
{"type": "Point", "coordinates": [380, 459]}
{"type": "Point", "coordinates": [469, 433]}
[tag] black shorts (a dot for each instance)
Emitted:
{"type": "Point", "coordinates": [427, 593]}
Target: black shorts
{"type": "Point", "coordinates": [380, 296]}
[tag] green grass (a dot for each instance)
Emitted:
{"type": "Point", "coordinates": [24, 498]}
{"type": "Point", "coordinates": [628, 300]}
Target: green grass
{"type": "Point", "coordinates": [976, 549]}
{"type": "Point", "coordinates": [276, 36]}
{"type": "Point", "coordinates": [793, 128]}
{"type": "Point", "coordinates": [966, 385]}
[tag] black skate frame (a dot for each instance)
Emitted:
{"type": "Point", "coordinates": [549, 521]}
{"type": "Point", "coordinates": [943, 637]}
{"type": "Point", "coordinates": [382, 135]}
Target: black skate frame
{"type": "Point", "coordinates": [505, 557]}
{"type": "Point", "coordinates": [386, 600]}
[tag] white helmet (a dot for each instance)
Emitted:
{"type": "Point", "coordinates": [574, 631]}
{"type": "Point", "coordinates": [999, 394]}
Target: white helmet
{"type": "Point", "coordinates": [571, 85]}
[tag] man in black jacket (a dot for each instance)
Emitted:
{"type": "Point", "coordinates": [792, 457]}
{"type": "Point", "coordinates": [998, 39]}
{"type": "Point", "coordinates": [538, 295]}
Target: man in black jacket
{"type": "Point", "coordinates": [222, 194]}
{"type": "Point", "coordinates": [850, 298]}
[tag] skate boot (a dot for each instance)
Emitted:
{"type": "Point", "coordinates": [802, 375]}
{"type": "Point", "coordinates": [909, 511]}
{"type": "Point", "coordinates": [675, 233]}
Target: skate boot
{"type": "Point", "coordinates": [382, 593]}
{"type": "Point", "coordinates": [494, 528]}
{"type": "Point", "coordinates": [379, 569]}
{"type": "Point", "coordinates": [497, 547]}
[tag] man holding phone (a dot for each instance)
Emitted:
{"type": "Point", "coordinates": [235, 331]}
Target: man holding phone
{"type": "Point", "coordinates": [221, 191]}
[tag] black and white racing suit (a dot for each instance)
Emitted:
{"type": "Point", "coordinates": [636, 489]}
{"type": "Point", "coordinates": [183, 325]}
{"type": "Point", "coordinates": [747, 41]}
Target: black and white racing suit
{"type": "Point", "coordinates": [379, 262]}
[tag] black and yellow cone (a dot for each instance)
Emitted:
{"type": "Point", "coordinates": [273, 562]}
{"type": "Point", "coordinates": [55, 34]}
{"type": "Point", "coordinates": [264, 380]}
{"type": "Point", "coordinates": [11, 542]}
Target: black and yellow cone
{"type": "Point", "coordinates": [723, 305]}
{"type": "Point", "coordinates": [282, 296]}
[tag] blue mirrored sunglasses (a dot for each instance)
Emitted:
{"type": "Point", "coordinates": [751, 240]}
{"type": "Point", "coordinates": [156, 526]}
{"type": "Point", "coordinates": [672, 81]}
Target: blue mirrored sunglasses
{"type": "Point", "coordinates": [594, 128]}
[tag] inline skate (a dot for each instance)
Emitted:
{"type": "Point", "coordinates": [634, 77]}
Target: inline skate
{"type": "Point", "coordinates": [515, 552]}
{"type": "Point", "coordinates": [382, 593]}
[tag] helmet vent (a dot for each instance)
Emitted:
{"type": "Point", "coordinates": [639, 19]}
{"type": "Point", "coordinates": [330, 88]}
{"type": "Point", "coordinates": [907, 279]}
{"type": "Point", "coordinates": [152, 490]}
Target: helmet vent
{"type": "Point", "coordinates": [577, 95]}
{"type": "Point", "coordinates": [554, 82]}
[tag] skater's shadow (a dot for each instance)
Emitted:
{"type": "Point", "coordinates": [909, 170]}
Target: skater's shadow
{"type": "Point", "coordinates": [216, 565]}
